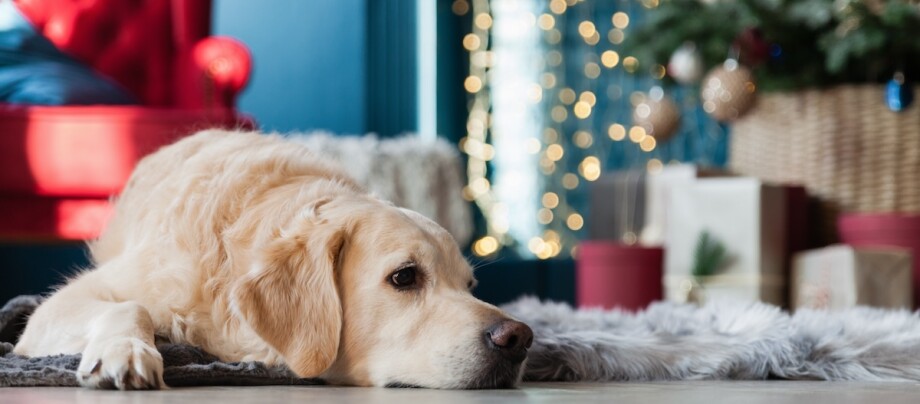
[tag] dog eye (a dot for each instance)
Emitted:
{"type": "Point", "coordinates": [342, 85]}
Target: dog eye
{"type": "Point", "coordinates": [404, 277]}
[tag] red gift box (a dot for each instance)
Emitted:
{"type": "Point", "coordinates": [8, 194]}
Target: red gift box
{"type": "Point", "coordinates": [614, 275]}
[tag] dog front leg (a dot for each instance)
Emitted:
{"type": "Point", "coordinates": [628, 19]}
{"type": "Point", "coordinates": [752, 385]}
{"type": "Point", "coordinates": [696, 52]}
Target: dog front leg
{"type": "Point", "coordinates": [115, 338]}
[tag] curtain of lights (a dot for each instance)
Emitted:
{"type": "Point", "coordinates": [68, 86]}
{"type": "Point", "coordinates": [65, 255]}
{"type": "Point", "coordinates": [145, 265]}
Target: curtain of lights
{"type": "Point", "coordinates": [551, 100]}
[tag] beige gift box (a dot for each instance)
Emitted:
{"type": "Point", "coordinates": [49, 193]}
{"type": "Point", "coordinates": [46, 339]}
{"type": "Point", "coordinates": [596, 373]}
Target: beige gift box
{"type": "Point", "coordinates": [842, 276]}
{"type": "Point", "coordinates": [749, 218]}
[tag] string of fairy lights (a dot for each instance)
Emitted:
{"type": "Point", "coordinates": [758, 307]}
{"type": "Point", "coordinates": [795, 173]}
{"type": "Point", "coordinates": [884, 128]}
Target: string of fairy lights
{"type": "Point", "coordinates": [558, 147]}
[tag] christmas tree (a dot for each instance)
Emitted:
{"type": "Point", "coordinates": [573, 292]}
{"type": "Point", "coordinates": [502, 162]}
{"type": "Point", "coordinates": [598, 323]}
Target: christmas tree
{"type": "Point", "coordinates": [793, 44]}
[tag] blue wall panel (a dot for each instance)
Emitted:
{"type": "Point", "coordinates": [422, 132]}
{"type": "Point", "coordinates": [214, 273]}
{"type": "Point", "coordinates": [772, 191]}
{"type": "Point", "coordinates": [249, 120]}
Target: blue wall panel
{"type": "Point", "coordinates": [310, 61]}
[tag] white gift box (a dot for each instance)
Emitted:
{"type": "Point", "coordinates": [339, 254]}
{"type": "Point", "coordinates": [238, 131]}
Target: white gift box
{"type": "Point", "coordinates": [842, 276]}
{"type": "Point", "coordinates": [749, 218]}
{"type": "Point", "coordinates": [657, 194]}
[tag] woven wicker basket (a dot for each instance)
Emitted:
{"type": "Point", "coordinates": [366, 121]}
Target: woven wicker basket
{"type": "Point", "coordinates": [843, 144]}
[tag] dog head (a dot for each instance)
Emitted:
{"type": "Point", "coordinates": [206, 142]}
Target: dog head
{"type": "Point", "coordinates": [360, 292]}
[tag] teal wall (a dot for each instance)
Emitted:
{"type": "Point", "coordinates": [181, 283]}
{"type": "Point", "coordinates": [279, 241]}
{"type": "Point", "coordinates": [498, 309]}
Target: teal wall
{"type": "Point", "coordinates": [310, 66]}
{"type": "Point", "coordinates": [346, 66]}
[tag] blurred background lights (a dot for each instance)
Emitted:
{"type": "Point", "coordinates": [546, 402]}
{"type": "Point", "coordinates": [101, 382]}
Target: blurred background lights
{"type": "Point", "coordinates": [550, 200]}
{"type": "Point", "coordinates": [483, 21]}
{"type": "Point", "coordinates": [616, 132]}
{"type": "Point", "coordinates": [620, 20]}
{"type": "Point", "coordinates": [557, 6]}
{"type": "Point", "coordinates": [487, 245]}
{"type": "Point", "coordinates": [471, 42]}
{"type": "Point", "coordinates": [546, 21]}
{"type": "Point", "coordinates": [586, 29]}
{"type": "Point", "coordinates": [636, 134]}
{"type": "Point", "coordinates": [610, 58]}
{"type": "Point", "coordinates": [575, 221]}
{"type": "Point", "coordinates": [630, 64]}
{"type": "Point", "coordinates": [567, 96]}
{"type": "Point", "coordinates": [472, 84]}
{"type": "Point", "coordinates": [569, 181]}
{"type": "Point", "coordinates": [583, 139]}
{"type": "Point", "coordinates": [460, 7]}
{"type": "Point", "coordinates": [554, 152]}
{"type": "Point", "coordinates": [590, 168]}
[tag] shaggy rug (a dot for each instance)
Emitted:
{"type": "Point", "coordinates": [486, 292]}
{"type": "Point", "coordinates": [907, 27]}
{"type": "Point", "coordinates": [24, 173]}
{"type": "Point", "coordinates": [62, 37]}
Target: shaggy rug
{"type": "Point", "coordinates": [722, 340]}
{"type": "Point", "coordinates": [666, 342]}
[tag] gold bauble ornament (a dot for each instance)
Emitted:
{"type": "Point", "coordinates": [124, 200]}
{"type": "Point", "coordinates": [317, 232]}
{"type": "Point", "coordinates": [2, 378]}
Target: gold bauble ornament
{"type": "Point", "coordinates": [728, 91]}
{"type": "Point", "coordinates": [657, 114]}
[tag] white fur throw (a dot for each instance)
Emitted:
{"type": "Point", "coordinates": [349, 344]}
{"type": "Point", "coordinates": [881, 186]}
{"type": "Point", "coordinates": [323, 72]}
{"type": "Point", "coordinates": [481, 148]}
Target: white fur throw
{"type": "Point", "coordinates": [667, 342]}
{"type": "Point", "coordinates": [414, 173]}
{"type": "Point", "coordinates": [719, 341]}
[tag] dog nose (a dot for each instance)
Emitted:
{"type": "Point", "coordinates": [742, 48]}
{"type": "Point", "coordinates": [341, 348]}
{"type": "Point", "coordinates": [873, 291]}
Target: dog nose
{"type": "Point", "coordinates": [509, 336]}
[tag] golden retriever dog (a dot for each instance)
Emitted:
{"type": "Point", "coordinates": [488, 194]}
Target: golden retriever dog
{"type": "Point", "coordinates": [251, 248]}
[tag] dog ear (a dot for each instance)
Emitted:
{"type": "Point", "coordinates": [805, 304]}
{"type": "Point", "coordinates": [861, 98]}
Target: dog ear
{"type": "Point", "coordinates": [291, 299]}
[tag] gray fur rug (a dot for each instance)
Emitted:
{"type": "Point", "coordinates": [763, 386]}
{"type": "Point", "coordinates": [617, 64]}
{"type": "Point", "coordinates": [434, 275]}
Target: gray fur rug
{"type": "Point", "coordinates": [666, 342]}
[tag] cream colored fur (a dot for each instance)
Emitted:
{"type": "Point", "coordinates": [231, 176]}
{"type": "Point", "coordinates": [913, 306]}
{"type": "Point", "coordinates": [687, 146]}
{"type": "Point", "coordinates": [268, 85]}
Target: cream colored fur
{"type": "Point", "coordinates": [255, 250]}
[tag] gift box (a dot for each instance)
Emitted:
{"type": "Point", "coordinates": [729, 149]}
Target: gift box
{"type": "Point", "coordinates": [657, 196]}
{"type": "Point", "coordinates": [658, 185]}
{"type": "Point", "coordinates": [617, 206]}
{"type": "Point", "coordinates": [842, 276]}
{"type": "Point", "coordinates": [749, 219]}
{"type": "Point", "coordinates": [613, 275]}
{"type": "Point", "coordinates": [885, 230]}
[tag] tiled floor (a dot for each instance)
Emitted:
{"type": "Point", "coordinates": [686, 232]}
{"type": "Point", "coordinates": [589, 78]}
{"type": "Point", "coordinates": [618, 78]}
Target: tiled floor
{"type": "Point", "coordinates": [772, 392]}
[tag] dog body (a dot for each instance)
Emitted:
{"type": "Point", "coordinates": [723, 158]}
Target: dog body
{"type": "Point", "coordinates": [253, 249]}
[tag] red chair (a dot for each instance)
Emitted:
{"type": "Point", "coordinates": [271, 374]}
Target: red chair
{"type": "Point", "coordinates": [59, 166]}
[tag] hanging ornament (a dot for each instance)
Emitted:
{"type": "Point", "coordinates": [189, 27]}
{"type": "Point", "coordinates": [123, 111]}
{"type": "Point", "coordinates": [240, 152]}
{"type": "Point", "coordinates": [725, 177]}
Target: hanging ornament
{"type": "Point", "coordinates": [657, 114]}
{"type": "Point", "coordinates": [753, 49]}
{"type": "Point", "coordinates": [876, 7]}
{"type": "Point", "coordinates": [899, 94]}
{"type": "Point", "coordinates": [728, 91]}
{"type": "Point", "coordinates": [686, 64]}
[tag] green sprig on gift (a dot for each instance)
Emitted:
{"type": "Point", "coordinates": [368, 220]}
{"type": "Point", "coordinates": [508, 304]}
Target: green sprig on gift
{"type": "Point", "coordinates": [709, 256]}
{"type": "Point", "coordinates": [809, 42]}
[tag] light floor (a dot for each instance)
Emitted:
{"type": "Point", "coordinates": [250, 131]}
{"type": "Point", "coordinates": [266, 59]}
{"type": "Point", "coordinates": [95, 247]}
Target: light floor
{"type": "Point", "coordinates": [772, 392]}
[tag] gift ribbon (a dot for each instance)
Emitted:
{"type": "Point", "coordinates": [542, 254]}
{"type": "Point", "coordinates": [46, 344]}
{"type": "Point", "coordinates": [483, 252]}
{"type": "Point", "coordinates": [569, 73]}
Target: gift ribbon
{"type": "Point", "coordinates": [685, 282]}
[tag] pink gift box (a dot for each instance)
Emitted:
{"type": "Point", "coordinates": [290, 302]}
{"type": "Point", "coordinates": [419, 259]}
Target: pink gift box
{"type": "Point", "coordinates": [614, 275]}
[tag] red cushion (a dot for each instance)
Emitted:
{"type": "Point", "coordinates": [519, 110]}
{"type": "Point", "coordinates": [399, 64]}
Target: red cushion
{"type": "Point", "coordinates": [128, 41]}
{"type": "Point", "coordinates": [39, 218]}
{"type": "Point", "coordinates": [87, 151]}
{"type": "Point", "coordinates": [147, 46]}
{"type": "Point", "coordinates": [59, 165]}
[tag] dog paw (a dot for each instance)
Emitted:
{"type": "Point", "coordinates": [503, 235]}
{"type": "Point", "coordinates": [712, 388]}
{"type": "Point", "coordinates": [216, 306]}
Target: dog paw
{"type": "Point", "coordinates": [124, 364]}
